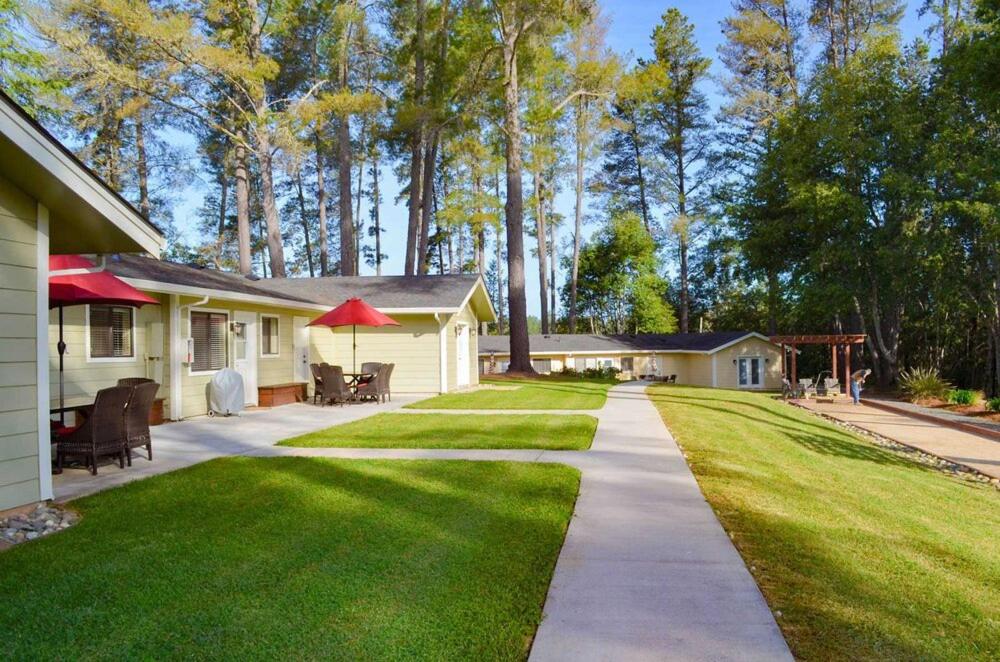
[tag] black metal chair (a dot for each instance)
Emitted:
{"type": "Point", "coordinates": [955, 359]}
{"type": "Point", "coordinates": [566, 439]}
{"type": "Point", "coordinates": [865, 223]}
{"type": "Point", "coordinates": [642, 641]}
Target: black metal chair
{"type": "Point", "coordinates": [101, 434]}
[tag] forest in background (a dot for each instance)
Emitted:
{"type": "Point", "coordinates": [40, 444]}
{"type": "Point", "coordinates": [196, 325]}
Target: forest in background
{"type": "Point", "coordinates": [849, 183]}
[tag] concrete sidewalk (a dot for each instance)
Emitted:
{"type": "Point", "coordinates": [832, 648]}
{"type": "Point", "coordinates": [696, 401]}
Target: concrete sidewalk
{"type": "Point", "coordinates": [971, 450]}
{"type": "Point", "coordinates": [647, 572]}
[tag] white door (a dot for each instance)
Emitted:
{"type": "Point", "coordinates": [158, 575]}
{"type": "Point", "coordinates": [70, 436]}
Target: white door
{"type": "Point", "coordinates": [301, 353]}
{"type": "Point", "coordinates": [245, 352]}
{"type": "Point", "coordinates": [751, 372]}
{"type": "Point", "coordinates": [462, 360]}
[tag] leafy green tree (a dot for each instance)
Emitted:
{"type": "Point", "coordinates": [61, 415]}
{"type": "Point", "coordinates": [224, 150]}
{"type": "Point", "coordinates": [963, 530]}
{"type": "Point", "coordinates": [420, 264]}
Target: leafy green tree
{"type": "Point", "coordinates": [620, 289]}
{"type": "Point", "coordinates": [24, 74]}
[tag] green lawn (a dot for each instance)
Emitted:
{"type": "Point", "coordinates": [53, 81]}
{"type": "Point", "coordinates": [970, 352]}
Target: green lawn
{"type": "Point", "coordinates": [542, 392]}
{"type": "Point", "coordinates": [551, 432]}
{"type": "Point", "coordinates": [296, 558]}
{"type": "Point", "coordinates": [866, 554]}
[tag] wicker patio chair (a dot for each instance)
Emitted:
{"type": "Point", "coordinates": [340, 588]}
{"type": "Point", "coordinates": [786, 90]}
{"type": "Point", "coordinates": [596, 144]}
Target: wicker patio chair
{"type": "Point", "coordinates": [387, 383]}
{"type": "Point", "coordinates": [103, 433]}
{"type": "Point", "coordinates": [134, 381]}
{"type": "Point", "coordinates": [137, 419]}
{"type": "Point", "coordinates": [317, 381]}
{"type": "Point", "coordinates": [369, 368]}
{"type": "Point", "coordinates": [335, 389]}
{"type": "Point", "coordinates": [374, 388]}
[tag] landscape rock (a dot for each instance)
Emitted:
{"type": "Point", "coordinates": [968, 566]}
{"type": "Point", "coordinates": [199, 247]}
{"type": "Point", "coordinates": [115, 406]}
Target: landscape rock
{"type": "Point", "coordinates": [45, 519]}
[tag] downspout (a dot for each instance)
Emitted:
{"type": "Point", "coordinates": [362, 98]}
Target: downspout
{"type": "Point", "coordinates": [178, 349]}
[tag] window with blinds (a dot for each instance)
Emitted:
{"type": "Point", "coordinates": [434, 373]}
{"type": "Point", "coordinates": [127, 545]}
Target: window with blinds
{"type": "Point", "coordinates": [209, 333]}
{"type": "Point", "coordinates": [268, 336]}
{"type": "Point", "coordinates": [111, 332]}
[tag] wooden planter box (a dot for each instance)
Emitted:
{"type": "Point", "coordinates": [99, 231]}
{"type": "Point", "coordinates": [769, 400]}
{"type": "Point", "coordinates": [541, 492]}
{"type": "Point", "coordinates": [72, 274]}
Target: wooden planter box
{"type": "Point", "coordinates": [276, 395]}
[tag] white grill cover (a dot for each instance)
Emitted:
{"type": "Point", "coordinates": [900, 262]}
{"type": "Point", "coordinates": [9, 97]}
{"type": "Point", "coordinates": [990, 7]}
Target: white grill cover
{"type": "Point", "coordinates": [225, 393]}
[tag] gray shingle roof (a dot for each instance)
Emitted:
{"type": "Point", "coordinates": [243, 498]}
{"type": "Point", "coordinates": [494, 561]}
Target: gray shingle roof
{"type": "Point", "coordinates": [386, 292]}
{"type": "Point", "coordinates": [661, 342]}
{"type": "Point", "coordinates": [389, 292]}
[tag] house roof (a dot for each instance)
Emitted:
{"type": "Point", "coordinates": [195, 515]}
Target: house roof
{"type": "Point", "coordinates": [86, 215]}
{"type": "Point", "coordinates": [388, 292]}
{"type": "Point", "coordinates": [447, 293]}
{"type": "Point", "coordinates": [643, 342]}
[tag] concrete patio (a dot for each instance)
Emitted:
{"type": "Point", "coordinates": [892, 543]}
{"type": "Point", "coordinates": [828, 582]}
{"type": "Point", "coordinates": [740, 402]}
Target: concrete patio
{"type": "Point", "coordinates": [182, 444]}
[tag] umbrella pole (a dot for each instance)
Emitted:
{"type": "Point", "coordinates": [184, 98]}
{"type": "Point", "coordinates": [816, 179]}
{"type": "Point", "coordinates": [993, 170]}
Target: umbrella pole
{"type": "Point", "coordinates": [62, 350]}
{"type": "Point", "coordinates": [354, 340]}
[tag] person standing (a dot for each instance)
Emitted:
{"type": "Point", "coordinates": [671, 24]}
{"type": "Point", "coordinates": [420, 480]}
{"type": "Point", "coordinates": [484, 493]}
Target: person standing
{"type": "Point", "coordinates": [857, 380]}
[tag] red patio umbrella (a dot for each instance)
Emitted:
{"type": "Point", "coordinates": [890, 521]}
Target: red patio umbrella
{"type": "Point", "coordinates": [74, 284]}
{"type": "Point", "coordinates": [354, 312]}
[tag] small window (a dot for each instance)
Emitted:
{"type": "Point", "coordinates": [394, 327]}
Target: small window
{"type": "Point", "coordinates": [542, 366]}
{"type": "Point", "coordinates": [628, 364]}
{"type": "Point", "coordinates": [208, 331]}
{"type": "Point", "coordinates": [111, 332]}
{"type": "Point", "coordinates": [268, 335]}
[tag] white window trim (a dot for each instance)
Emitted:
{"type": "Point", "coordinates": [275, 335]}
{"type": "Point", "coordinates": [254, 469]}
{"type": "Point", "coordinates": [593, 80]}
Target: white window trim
{"type": "Point", "coordinates": [229, 318]}
{"type": "Point", "coordinates": [260, 336]}
{"type": "Point", "coordinates": [763, 366]}
{"type": "Point", "coordinates": [110, 359]}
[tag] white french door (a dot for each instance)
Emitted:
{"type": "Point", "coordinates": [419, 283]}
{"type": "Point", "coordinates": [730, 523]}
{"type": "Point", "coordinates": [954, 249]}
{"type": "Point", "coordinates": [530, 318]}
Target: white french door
{"type": "Point", "coordinates": [245, 352]}
{"type": "Point", "coordinates": [750, 372]}
{"type": "Point", "coordinates": [301, 353]}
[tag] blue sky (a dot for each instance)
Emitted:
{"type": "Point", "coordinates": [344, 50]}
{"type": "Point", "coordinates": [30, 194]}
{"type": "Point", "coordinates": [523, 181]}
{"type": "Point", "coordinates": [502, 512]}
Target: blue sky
{"type": "Point", "coordinates": [631, 23]}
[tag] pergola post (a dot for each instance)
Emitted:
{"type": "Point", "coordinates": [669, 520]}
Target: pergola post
{"type": "Point", "coordinates": [784, 374]}
{"type": "Point", "coordinates": [834, 361]}
{"type": "Point", "coordinates": [795, 374]}
{"type": "Point", "coordinates": [847, 368]}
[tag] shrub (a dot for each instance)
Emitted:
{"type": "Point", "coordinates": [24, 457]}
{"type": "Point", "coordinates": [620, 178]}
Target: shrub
{"type": "Point", "coordinates": [993, 404]}
{"type": "Point", "coordinates": [962, 396]}
{"type": "Point", "coordinates": [922, 383]}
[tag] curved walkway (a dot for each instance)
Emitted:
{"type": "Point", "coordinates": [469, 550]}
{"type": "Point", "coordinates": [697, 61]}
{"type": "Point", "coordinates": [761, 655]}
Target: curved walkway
{"type": "Point", "coordinates": [646, 571]}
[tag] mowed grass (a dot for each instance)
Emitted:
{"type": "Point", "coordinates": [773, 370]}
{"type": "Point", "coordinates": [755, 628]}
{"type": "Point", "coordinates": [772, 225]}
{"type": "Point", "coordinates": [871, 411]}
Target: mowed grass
{"type": "Point", "coordinates": [555, 432]}
{"type": "Point", "coordinates": [866, 554]}
{"type": "Point", "coordinates": [296, 558]}
{"type": "Point", "coordinates": [542, 392]}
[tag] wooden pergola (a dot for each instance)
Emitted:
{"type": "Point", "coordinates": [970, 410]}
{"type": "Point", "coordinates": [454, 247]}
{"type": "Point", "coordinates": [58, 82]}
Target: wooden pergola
{"type": "Point", "coordinates": [835, 340]}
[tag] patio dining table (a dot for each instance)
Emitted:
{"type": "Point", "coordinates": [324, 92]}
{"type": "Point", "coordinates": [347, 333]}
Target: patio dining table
{"type": "Point", "coordinates": [354, 378]}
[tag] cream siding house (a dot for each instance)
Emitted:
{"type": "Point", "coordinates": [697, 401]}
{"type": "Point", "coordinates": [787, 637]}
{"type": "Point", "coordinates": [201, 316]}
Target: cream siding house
{"type": "Point", "coordinates": [49, 203]}
{"type": "Point", "coordinates": [720, 359]}
{"type": "Point", "coordinates": [260, 328]}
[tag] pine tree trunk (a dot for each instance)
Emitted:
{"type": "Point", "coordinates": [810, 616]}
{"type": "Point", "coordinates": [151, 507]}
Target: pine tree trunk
{"type": "Point", "coordinates": [578, 216]}
{"type": "Point", "coordinates": [142, 165]}
{"type": "Point", "coordinates": [347, 259]}
{"type": "Point", "coordinates": [552, 277]}
{"type": "Point", "coordinates": [324, 240]}
{"type": "Point", "coordinates": [275, 248]}
{"type": "Point", "coordinates": [359, 225]}
{"type": "Point", "coordinates": [427, 190]}
{"type": "Point", "coordinates": [304, 218]}
{"type": "Point", "coordinates": [520, 350]}
{"type": "Point", "coordinates": [541, 234]}
{"type": "Point", "coordinates": [243, 209]}
{"type": "Point", "coordinates": [377, 218]}
{"type": "Point", "coordinates": [416, 146]}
